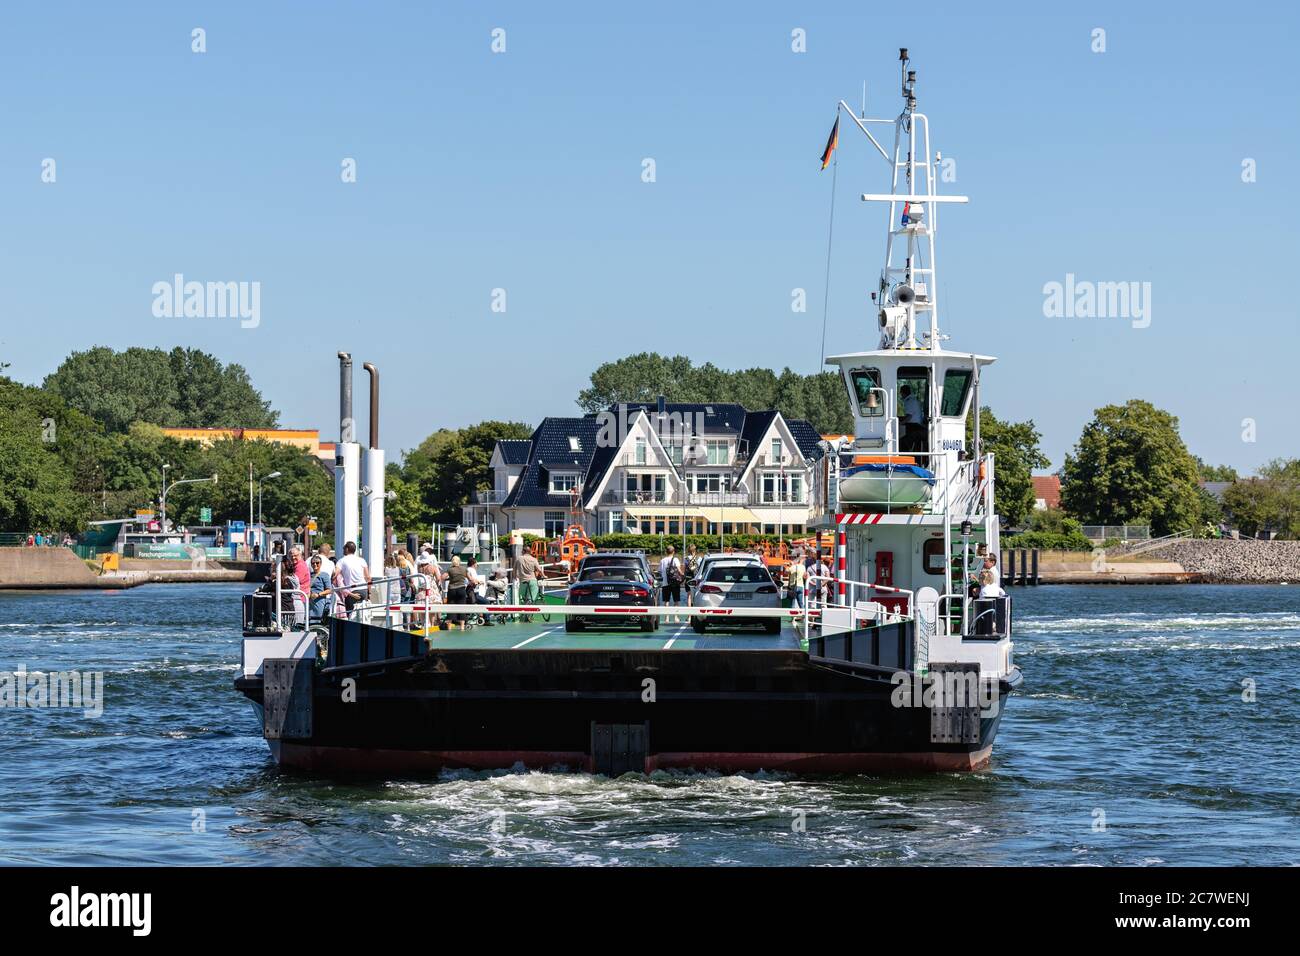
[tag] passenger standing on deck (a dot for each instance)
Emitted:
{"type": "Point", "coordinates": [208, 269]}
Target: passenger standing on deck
{"type": "Point", "coordinates": [476, 581]}
{"type": "Point", "coordinates": [326, 559]}
{"type": "Point", "coordinates": [671, 577]}
{"type": "Point", "coordinates": [427, 589]}
{"type": "Point", "coordinates": [457, 585]}
{"type": "Point", "coordinates": [352, 575]}
{"type": "Point", "coordinates": [405, 586]}
{"type": "Point", "coordinates": [692, 568]}
{"type": "Point", "coordinates": [991, 565]}
{"type": "Point", "coordinates": [290, 596]}
{"type": "Point", "coordinates": [796, 578]}
{"type": "Point", "coordinates": [298, 567]}
{"type": "Point", "coordinates": [989, 587]}
{"type": "Point", "coordinates": [527, 572]}
{"type": "Point", "coordinates": [321, 598]}
{"type": "Point", "coordinates": [913, 421]}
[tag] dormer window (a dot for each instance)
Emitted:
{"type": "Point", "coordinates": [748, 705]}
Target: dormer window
{"type": "Point", "coordinates": [562, 484]}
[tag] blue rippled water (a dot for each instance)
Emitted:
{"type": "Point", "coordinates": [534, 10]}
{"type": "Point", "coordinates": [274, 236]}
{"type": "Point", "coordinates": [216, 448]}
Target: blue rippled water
{"type": "Point", "coordinates": [1130, 744]}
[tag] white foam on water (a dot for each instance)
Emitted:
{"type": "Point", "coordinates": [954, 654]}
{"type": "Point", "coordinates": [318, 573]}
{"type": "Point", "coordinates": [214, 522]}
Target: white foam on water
{"type": "Point", "coordinates": [1145, 622]}
{"type": "Point", "coordinates": [43, 625]}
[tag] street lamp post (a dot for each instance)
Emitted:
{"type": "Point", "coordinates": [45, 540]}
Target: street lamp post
{"type": "Point", "coordinates": [181, 481]}
{"type": "Point", "coordinates": [162, 500]}
{"type": "Point", "coordinates": [274, 474]}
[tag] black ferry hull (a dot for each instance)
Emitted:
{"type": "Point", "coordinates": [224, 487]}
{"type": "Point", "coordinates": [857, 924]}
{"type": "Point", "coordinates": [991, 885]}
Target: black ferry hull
{"type": "Point", "coordinates": [612, 712]}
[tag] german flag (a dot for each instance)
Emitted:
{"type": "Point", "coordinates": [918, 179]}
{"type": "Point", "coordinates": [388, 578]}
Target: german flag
{"type": "Point", "coordinates": [831, 143]}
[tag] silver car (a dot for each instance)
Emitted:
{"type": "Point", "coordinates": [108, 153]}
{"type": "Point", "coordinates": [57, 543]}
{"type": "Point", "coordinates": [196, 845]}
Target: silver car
{"type": "Point", "coordinates": [740, 583]}
{"type": "Point", "coordinates": [708, 560]}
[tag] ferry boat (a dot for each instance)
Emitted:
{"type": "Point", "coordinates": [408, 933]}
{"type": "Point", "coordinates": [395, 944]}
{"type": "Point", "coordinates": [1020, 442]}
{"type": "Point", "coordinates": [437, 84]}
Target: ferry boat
{"type": "Point", "coordinates": [894, 666]}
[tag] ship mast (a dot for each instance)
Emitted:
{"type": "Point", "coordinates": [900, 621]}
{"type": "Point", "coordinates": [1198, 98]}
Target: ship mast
{"type": "Point", "coordinates": [907, 297]}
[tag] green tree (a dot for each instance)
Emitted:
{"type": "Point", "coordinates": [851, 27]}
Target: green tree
{"type": "Point", "coordinates": [449, 466]}
{"type": "Point", "coordinates": [1268, 503]}
{"type": "Point", "coordinates": [1210, 472]}
{"type": "Point", "coordinates": [1015, 447]}
{"type": "Point", "coordinates": [185, 387]}
{"type": "Point", "coordinates": [303, 488]}
{"type": "Point", "coordinates": [37, 481]}
{"type": "Point", "coordinates": [1130, 466]}
{"type": "Point", "coordinates": [819, 398]}
{"type": "Point", "coordinates": [212, 395]}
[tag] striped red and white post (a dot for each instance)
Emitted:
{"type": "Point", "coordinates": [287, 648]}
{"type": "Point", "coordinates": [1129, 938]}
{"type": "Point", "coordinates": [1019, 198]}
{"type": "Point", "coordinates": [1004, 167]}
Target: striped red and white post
{"type": "Point", "coordinates": [841, 562]}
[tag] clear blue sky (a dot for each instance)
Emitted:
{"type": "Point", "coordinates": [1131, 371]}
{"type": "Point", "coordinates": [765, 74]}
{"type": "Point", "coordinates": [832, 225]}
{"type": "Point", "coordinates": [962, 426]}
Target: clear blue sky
{"type": "Point", "coordinates": [522, 171]}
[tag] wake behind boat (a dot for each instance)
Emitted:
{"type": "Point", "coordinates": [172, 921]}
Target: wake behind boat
{"type": "Point", "coordinates": [895, 666]}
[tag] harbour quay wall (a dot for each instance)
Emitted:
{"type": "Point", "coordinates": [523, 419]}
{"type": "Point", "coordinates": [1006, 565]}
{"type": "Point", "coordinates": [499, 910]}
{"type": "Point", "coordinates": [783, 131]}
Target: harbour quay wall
{"type": "Point", "coordinates": [59, 568]}
{"type": "Point", "coordinates": [24, 568]}
{"type": "Point", "coordinates": [1235, 561]}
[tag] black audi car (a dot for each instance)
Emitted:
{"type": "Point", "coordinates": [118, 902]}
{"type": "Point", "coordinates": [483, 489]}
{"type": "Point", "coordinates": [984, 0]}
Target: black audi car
{"type": "Point", "coordinates": [613, 579]}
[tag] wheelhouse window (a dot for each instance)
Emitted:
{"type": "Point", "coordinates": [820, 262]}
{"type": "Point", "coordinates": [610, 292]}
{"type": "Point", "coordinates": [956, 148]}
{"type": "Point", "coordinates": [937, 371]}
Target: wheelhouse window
{"type": "Point", "coordinates": [913, 403]}
{"type": "Point", "coordinates": [956, 384]}
{"type": "Point", "coordinates": [865, 383]}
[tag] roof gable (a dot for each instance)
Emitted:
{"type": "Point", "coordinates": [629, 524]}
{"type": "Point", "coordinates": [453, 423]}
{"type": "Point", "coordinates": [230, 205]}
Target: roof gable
{"type": "Point", "coordinates": [551, 450]}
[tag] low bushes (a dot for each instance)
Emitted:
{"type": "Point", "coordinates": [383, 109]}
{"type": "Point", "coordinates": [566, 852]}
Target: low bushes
{"type": "Point", "coordinates": [1048, 541]}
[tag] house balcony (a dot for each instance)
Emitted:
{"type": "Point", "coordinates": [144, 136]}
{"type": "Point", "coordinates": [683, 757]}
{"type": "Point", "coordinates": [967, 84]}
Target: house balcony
{"type": "Point", "coordinates": [620, 496]}
{"type": "Point", "coordinates": [778, 501]}
{"type": "Point", "coordinates": [703, 499]}
{"type": "Point", "coordinates": [490, 497]}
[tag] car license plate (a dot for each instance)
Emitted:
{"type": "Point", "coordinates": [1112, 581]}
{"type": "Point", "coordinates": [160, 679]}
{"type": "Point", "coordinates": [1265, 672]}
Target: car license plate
{"type": "Point", "coordinates": [609, 595]}
{"type": "Point", "coordinates": [739, 596]}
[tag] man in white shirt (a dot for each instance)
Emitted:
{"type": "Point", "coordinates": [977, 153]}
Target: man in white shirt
{"type": "Point", "coordinates": [326, 559]}
{"type": "Point", "coordinates": [991, 565]}
{"type": "Point", "coordinates": [671, 577]}
{"type": "Point", "coordinates": [352, 574]}
{"type": "Point", "coordinates": [913, 421]}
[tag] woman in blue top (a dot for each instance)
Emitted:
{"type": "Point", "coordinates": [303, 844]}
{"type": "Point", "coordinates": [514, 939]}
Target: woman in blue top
{"type": "Point", "coordinates": [321, 598]}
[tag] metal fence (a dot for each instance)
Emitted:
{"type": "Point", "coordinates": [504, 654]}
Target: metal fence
{"type": "Point", "coordinates": [1124, 532]}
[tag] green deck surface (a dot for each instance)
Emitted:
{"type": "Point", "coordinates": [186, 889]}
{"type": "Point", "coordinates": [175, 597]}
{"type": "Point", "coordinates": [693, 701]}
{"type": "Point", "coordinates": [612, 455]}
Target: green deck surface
{"type": "Point", "coordinates": [541, 635]}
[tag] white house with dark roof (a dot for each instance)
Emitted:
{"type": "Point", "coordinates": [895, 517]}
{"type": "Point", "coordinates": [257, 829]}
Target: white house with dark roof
{"type": "Point", "coordinates": [668, 468]}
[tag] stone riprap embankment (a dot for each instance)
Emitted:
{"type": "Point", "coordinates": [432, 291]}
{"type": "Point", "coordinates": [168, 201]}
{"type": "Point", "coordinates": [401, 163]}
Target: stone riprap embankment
{"type": "Point", "coordinates": [1230, 561]}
